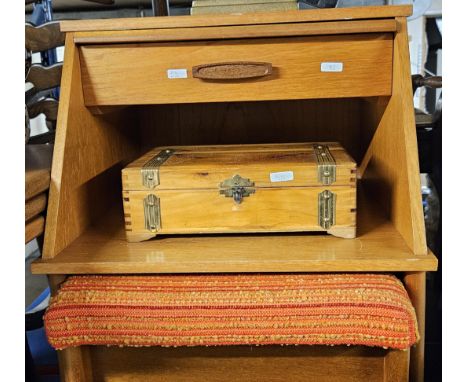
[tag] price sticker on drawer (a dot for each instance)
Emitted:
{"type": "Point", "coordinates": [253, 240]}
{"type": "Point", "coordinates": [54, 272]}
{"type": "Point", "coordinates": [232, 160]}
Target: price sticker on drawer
{"type": "Point", "coordinates": [331, 67]}
{"type": "Point", "coordinates": [283, 176]}
{"type": "Point", "coordinates": [176, 73]}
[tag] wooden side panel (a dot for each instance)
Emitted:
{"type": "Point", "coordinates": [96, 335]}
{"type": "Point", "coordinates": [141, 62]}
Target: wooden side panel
{"type": "Point", "coordinates": [297, 70]}
{"type": "Point", "coordinates": [89, 152]}
{"type": "Point", "coordinates": [390, 167]}
{"type": "Point", "coordinates": [288, 209]}
{"type": "Point", "coordinates": [239, 364]}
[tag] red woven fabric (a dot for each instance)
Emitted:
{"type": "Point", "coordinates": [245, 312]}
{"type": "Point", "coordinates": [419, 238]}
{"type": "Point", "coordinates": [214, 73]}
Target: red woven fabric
{"type": "Point", "coordinates": [181, 310]}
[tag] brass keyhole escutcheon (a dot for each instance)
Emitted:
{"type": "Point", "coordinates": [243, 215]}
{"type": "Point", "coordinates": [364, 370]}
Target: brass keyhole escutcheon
{"type": "Point", "coordinates": [237, 188]}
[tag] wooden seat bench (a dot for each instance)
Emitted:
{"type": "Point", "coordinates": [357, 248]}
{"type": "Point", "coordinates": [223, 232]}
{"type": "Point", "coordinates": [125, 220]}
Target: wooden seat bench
{"type": "Point", "coordinates": [178, 316]}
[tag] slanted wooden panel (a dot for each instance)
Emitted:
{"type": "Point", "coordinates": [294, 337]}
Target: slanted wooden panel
{"type": "Point", "coordinates": [390, 171]}
{"type": "Point", "coordinates": [85, 168]}
{"type": "Point", "coordinates": [390, 166]}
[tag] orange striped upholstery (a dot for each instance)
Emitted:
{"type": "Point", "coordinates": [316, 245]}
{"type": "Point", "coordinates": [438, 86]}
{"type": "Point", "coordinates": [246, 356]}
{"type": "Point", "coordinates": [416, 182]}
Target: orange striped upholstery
{"type": "Point", "coordinates": [181, 310]}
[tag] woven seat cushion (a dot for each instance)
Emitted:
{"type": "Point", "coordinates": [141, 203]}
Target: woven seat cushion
{"type": "Point", "coordinates": [181, 310]}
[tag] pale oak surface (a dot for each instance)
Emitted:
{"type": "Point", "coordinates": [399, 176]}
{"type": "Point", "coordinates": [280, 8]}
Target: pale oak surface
{"type": "Point", "coordinates": [140, 71]}
{"type": "Point", "coordinates": [104, 249]}
{"type": "Point", "coordinates": [285, 209]}
{"type": "Point", "coordinates": [87, 148]}
{"type": "Point", "coordinates": [392, 156]}
{"type": "Point", "coordinates": [240, 31]}
{"type": "Point", "coordinates": [353, 13]}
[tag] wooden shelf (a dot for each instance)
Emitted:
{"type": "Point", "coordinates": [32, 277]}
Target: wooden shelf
{"type": "Point", "coordinates": [104, 249]}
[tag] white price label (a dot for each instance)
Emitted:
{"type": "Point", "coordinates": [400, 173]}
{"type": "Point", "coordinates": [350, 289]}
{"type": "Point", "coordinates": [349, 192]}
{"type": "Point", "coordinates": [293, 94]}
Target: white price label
{"type": "Point", "coordinates": [331, 67]}
{"type": "Point", "coordinates": [176, 73]}
{"type": "Point", "coordinates": [283, 176]}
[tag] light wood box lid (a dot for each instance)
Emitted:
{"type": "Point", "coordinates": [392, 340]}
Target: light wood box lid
{"type": "Point", "coordinates": [267, 165]}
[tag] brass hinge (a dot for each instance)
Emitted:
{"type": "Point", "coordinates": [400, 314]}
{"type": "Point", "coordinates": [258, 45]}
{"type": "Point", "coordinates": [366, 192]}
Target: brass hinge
{"type": "Point", "coordinates": [152, 213]}
{"type": "Point", "coordinates": [237, 188]}
{"type": "Point", "coordinates": [326, 171]}
{"type": "Point", "coordinates": [150, 170]}
{"type": "Point", "coordinates": [326, 209]}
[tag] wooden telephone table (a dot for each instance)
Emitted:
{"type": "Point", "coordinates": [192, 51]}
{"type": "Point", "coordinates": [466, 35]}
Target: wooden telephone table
{"type": "Point", "coordinates": [336, 75]}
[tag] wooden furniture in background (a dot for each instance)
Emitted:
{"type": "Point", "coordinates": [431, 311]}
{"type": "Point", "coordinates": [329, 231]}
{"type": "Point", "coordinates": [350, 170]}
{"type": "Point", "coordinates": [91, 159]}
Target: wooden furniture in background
{"type": "Point", "coordinates": [44, 79]}
{"type": "Point", "coordinates": [117, 102]}
{"type": "Point", "coordinates": [43, 37]}
{"type": "Point", "coordinates": [38, 163]}
{"type": "Point", "coordinates": [39, 155]}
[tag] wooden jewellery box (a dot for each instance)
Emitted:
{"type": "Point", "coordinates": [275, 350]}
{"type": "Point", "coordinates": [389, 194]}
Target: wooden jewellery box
{"type": "Point", "coordinates": [240, 188]}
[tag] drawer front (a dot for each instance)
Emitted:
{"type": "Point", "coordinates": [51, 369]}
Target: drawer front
{"type": "Point", "coordinates": [294, 68]}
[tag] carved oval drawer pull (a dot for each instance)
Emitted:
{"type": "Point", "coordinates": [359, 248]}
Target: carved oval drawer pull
{"type": "Point", "coordinates": [232, 70]}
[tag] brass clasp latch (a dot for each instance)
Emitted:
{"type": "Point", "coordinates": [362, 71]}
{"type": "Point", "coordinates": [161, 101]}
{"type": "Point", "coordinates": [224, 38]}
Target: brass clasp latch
{"type": "Point", "coordinates": [237, 188]}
